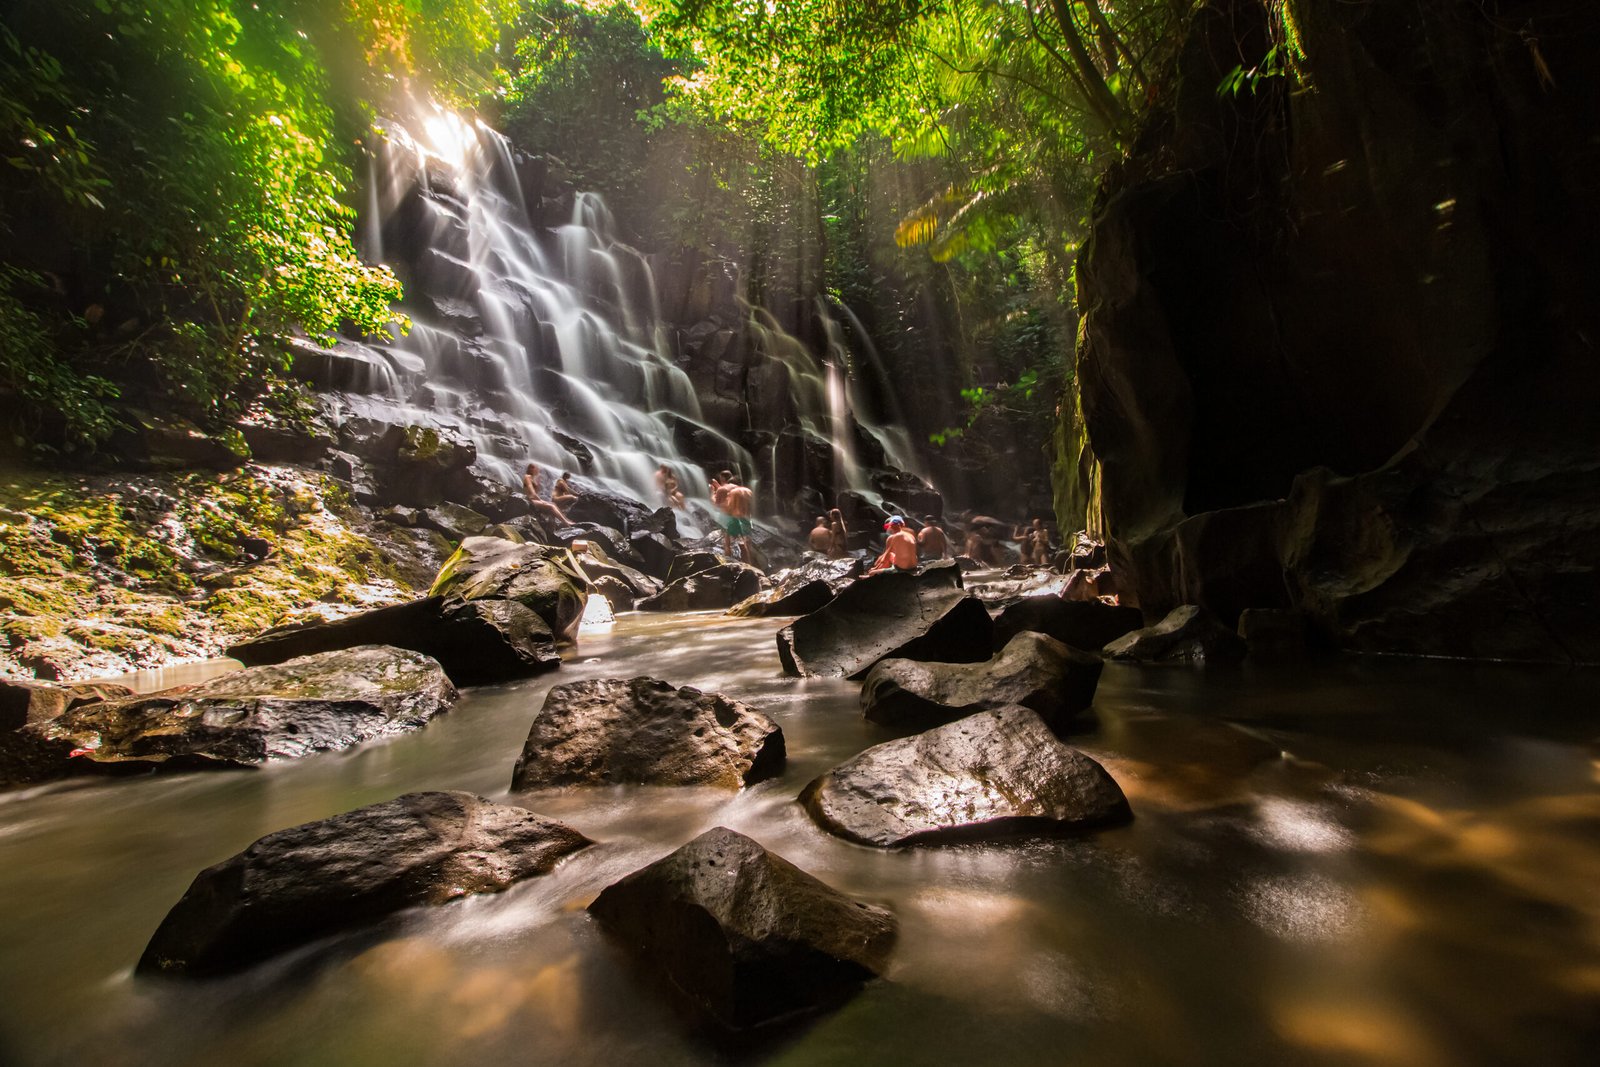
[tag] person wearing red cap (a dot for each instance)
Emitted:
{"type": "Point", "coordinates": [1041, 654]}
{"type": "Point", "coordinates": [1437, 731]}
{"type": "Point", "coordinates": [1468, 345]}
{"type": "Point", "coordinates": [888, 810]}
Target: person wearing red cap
{"type": "Point", "coordinates": [901, 550]}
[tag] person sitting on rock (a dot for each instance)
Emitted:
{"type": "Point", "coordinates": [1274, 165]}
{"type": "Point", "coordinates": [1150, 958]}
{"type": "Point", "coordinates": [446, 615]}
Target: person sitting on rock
{"type": "Point", "coordinates": [541, 507]}
{"type": "Point", "coordinates": [931, 541]}
{"type": "Point", "coordinates": [839, 537]}
{"type": "Point", "coordinates": [563, 495]}
{"type": "Point", "coordinates": [900, 552]}
{"type": "Point", "coordinates": [667, 486]}
{"type": "Point", "coordinates": [821, 539]}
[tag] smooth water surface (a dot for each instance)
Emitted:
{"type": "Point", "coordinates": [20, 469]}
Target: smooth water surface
{"type": "Point", "coordinates": [1365, 863]}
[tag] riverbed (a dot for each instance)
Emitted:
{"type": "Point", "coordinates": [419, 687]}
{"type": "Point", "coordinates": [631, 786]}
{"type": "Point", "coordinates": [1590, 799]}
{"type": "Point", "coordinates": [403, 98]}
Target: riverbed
{"type": "Point", "coordinates": [1367, 862]}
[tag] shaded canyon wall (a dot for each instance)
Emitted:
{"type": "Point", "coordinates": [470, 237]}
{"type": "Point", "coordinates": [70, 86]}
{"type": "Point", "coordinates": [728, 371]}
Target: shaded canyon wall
{"type": "Point", "coordinates": [1338, 350]}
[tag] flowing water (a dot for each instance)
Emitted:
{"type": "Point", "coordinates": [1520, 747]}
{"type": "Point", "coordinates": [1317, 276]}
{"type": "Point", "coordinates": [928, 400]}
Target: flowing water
{"type": "Point", "coordinates": [1366, 863]}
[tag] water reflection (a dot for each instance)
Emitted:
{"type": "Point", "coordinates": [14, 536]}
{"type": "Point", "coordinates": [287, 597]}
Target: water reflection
{"type": "Point", "coordinates": [1369, 864]}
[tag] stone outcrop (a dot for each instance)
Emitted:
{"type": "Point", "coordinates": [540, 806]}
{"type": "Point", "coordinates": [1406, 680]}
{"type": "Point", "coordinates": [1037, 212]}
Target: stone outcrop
{"type": "Point", "coordinates": [640, 731]}
{"type": "Point", "coordinates": [801, 590]}
{"type": "Point", "coordinates": [1190, 634]}
{"type": "Point", "coordinates": [319, 703]}
{"type": "Point", "coordinates": [543, 579]}
{"type": "Point", "coordinates": [307, 882]}
{"type": "Point", "coordinates": [990, 774]}
{"type": "Point", "coordinates": [1086, 624]}
{"type": "Point", "coordinates": [1033, 670]}
{"type": "Point", "coordinates": [713, 589]}
{"type": "Point", "coordinates": [925, 616]}
{"type": "Point", "coordinates": [741, 936]}
{"type": "Point", "coordinates": [1337, 346]}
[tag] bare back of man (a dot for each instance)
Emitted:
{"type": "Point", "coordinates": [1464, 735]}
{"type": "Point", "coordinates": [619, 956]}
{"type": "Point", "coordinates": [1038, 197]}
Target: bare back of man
{"type": "Point", "coordinates": [740, 501]}
{"type": "Point", "coordinates": [899, 552]}
{"type": "Point", "coordinates": [932, 543]}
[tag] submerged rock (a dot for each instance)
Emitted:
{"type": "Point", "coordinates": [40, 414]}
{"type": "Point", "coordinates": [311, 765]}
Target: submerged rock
{"type": "Point", "coordinates": [743, 937]}
{"type": "Point", "coordinates": [801, 590]}
{"type": "Point", "coordinates": [990, 774]}
{"type": "Point", "coordinates": [318, 703]}
{"type": "Point", "coordinates": [646, 732]}
{"type": "Point", "coordinates": [923, 616]}
{"type": "Point", "coordinates": [309, 881]}
{"type": "Point", "coordinates": [1033, 670]}
{"type": "Point", "coordinates": [1086, 624]}
{"type": "Point", "coordinates": [1189, 634]}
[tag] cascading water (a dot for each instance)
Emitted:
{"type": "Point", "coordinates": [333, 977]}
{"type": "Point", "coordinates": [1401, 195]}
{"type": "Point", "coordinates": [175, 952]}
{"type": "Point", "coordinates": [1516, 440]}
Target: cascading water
{"type": "Point", "coordinates": [537, 343]}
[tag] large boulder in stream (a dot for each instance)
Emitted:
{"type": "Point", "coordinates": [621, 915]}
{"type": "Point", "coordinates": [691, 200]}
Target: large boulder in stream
{"type": "Point", "coordinates": [1189, 634]}
{"type": "Point", "coordinates": [924, 615]}
{"type": "Point", "coordinates": [314, 704]}
{"type": "Point", "coordinates": [306, 882]}
{"type": "Point", "coordinates": [1033, 670]}
{"type": "Point", "coordinates": [715, 589]}
{"type": "Point", "coordinates": [801, 590]}
{"type": "Point", "coordinates": [991, 774]}
{"type": "Point", "coordinates": [1085, 624]}
{"type": "Point", "coordinates": [547, 580]}
{"type": "Point", "coordinates": [641, 731]}
{"type": "Point", "coordinates": [742, 937]}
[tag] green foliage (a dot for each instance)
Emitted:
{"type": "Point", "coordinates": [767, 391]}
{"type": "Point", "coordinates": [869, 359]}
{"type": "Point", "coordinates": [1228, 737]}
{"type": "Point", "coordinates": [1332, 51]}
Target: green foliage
{"type": "Point", "coordinates": [31, 370]}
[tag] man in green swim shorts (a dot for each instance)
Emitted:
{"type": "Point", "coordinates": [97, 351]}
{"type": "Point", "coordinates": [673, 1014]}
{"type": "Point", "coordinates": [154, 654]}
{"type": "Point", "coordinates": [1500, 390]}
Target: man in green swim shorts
{"type": "Point", "coordinates": [735, 501]}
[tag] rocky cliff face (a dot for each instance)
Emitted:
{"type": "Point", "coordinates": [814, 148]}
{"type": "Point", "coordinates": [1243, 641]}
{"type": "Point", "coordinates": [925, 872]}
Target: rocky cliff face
{"type": "Point", "coordinates": [1339, 340]}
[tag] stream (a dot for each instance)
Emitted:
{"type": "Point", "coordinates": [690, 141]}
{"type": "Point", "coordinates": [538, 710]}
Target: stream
{"type": "Point", "coordinates": [1365, 862]}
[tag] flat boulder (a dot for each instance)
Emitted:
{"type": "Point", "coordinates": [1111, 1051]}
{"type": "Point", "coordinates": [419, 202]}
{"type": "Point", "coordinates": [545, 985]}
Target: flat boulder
{"type": "Point", "coordinates": [320, 703]}
{"type": "Point", "coordinates": [923, 615]}
{"type": "Point", "coordinates": [992, 774]}
{"type": "Point", "coordinates": [716, 589]}
{"type": "Point", "coordinates": [742, 937]}
{"type": "Point", "coordinates": [477, 642]}
{"type": "Point", "coordinates": [641, 731]}
{"type": "Point", "coordinates": [1085, 624]}
{"type": "Point", "coordinates": [1033, 670]}
{"type": "Point", "coordinates": [801, 590]}
{"type": "Point", "coordinates": [27, 756]}
{"type": "Point", "coordinates": [1189, 634]}
{"type": "Point", "coordinates": [307, 882]}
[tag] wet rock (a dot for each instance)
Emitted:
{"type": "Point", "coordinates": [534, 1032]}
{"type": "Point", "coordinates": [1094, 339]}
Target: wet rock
{"type": "Point", "coordinates": [611, 510]}
{"type": "Point", "coordinates": [685, 564]}
{"type": "Point", "coordinates": [716, 589]}
{"type": "Point", "coordinates": [1089, 625]}
{"type": "Point", "coordinates": [909, 492]}
{"type": "Point", "coordinates": [307, 882]}
{"type": "Point", "coordinates": [320, 703]}
{"type": "Point", "coordinates": [655, 551]}
{"type": "Point", "coordinates": [990, 774]}
{"type": "Point", "coordinates": [642, 731]}
{"type": "Point", "coordinates": [923, 616]}
{"type": "Point", "coordinates": [618, 593]}
{"type": "Point", "coordinates": [803, 589]}
{"type": "Point", "coordinates": [363, 484]}
{"type": "Point", "coordinates": [279, 441]}
{"type": "Point", "coordinates": [741, 936]}
{"type": "Point", "coordinates": [27, 756]}
{"type": "Point", "coordinates": [486, 495]}
{"type": "Point", "coordinates": [454, 521]}
{"type": "Point", "coordinates": [540, 577]}
{"type": "Point", "coordinates": [1189, 634]}
{"type": "Point", "coordinates": [1033, 671]}
{"type": "Point", "coordinates": [596, 564]}
{"type": "Point", "coordinates": [149, 441]}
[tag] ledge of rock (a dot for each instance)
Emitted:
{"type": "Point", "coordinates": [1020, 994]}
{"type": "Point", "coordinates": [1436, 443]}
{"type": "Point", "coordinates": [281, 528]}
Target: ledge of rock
{"type": "Point", "coordinates": [306, 882]}
{"type": "Point", "coordinates": [924, 616]}
{"type": "Point", "coordinates": [743, 937]}
{"type": "Point", "coordinates": [1033, 670]}
{"type": "Point", "coordinates": [646, 732]}
{"type": "Point", "coordinates": [318, 703]}
{"type": "Point", "coordinates": [478, 642]}
{"type": "Point", "coordinates": [801, 590]}
{"type": "Point", "coordinates": [1189, 634]}
{"type": "Point", "coordinates": [990, 774]}
{"type": "Point", "coordinates": [1086, 624]}
{"type": "Point", "coordinates": [27, 755]}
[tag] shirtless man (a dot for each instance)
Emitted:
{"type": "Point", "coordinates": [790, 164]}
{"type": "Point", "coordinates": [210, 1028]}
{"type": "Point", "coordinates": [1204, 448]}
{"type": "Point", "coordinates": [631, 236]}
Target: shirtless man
{"type": "Point", "coordinates": [931, 541]}
{"type": "Point", "coordinates": [562, 495]}
{"type": "Point", "coordinates": [542, 508]}
{"type": "Point", "coordinates": [900, 552]}
{"type": "Point", "coordinates": [821, 539]}
{"type": "Point", "coordinates": [737, 501]}
{"type": "Point", "coordinates": [1040, 543]}
{"type": "Point", "coordinates": [667, 486]}
{"type": "Point", "coordinates": [839, 544]}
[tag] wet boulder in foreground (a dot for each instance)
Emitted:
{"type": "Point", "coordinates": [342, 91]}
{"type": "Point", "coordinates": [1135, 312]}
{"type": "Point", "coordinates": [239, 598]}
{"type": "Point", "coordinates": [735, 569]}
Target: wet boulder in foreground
{"type": "Point", "coordinates": [742, 937]}
{"type": "Point", "coordinates": [1086, 624]}
{"type": "Point", "coordinates": [1033, 670]}
{"type": "Point", "coordinates": [802, 589]}
{"type": "Point", "coordinates": [478, 642]}
{"type": "Point", "coordinates": [991, 774]}
{"type": "Point", "coordinates": [319, 703]}
{"type": "Point", "coordinates": [641, 731]}
{"type": "Point", "coordinates": [1189, 634]}
{"type": "Point", "coordinates": [923, 615]}
{"type": "Point", "coordinates": [306, 882]}
{"type": "Point", "coordinates": [543, 579]}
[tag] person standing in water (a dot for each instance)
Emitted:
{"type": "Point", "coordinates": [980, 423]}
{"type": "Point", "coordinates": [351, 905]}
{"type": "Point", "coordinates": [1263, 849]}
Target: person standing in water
{"type": "Point", "coordinates": [931, 541]}
{"type": "Point", "coordinates": [541, 507]}
{"type": "Point", "coordinates": [739, 502]}
{"type": "Point", "coordinates": [900, 552]}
